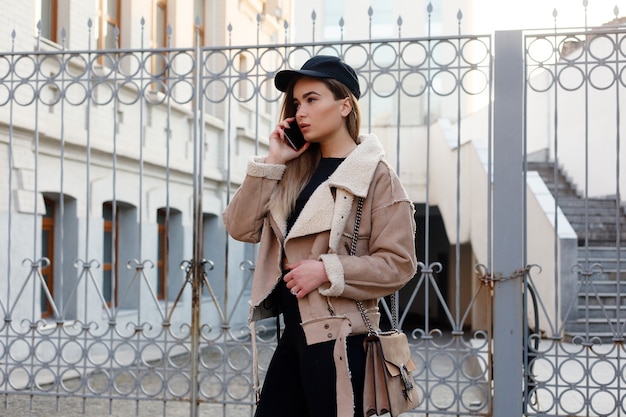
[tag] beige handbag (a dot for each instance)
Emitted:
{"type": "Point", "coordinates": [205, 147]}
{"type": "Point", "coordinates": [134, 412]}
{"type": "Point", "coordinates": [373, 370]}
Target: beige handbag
{"type": "Point", "coordinates": [389, 385]}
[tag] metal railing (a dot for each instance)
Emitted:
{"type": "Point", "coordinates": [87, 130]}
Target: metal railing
{"type": "Point", "coordinates": [131, 295]}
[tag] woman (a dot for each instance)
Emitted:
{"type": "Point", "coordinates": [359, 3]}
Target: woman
{"type": "Point", "coordinates": [300, 205]}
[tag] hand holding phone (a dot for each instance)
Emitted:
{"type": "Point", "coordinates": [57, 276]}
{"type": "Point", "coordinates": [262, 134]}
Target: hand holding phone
{"type": "Point", "coordinates": [294, 136]}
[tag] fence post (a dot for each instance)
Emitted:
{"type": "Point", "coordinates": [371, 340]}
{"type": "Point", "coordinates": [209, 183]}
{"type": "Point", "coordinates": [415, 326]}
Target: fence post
{"type": "Point", "coordinates": [508, 223]}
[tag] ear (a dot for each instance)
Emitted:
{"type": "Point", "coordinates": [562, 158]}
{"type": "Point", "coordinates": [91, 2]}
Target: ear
{"type": "Point", "coordinates": [346, 107]}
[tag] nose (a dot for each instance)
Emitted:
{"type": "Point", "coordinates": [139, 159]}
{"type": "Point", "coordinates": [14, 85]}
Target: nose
{"type": "Point", "coordinates": [300, 112]}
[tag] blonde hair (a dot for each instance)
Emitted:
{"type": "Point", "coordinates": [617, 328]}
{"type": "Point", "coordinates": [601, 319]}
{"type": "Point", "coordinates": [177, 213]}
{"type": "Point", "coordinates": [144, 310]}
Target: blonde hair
{"type": "Point", "coordinates": [300, 170]}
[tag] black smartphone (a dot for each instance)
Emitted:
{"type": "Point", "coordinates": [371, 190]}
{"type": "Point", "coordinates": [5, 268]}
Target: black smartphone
{"type": "Point", "coordinates": [294, 136]}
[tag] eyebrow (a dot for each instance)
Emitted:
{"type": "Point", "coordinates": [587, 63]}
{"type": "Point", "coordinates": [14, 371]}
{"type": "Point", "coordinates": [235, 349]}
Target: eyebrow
{"type": "Point", "coordinates": [309, 93]}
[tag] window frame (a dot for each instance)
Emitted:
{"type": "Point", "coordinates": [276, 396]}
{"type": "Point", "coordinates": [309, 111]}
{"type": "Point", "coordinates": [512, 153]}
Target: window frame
{"type": "Point", "coordinates": [52, 20]}
{"type": "Point", "coordinates": [105, 19]}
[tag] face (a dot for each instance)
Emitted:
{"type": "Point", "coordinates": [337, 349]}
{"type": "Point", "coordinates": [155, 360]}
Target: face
{"type": "Point", "coordinates": [320, 116]}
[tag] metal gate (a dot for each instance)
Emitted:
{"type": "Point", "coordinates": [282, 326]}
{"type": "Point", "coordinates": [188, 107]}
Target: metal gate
{"type": "Point", "coordinates": [123, 294]}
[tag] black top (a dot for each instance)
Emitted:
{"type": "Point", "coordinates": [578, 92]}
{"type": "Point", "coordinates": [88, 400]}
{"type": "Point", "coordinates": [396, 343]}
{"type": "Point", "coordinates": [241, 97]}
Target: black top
{"type": "Point", "coordinates": [286, 303]}
{"type": "Point", "coordinates": [324, 170]}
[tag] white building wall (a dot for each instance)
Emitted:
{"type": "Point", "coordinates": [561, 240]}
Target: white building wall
{"type": "Point", "coordinates": [50, 157]}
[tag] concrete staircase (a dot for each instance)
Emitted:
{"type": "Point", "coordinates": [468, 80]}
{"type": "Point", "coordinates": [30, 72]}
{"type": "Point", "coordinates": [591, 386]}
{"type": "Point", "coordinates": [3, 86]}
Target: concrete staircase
{"type": "Point", "coordinates": [600, 276]}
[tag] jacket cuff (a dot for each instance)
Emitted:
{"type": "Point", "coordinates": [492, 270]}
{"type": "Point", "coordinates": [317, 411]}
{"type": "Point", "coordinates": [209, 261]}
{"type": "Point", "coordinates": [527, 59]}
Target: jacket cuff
{"type": "Point", "coordinates": [258, 168]}
{"type": "Point", "coordinates": [334, 272]}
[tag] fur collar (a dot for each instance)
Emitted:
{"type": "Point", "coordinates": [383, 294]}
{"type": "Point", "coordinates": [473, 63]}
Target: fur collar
{"type": "Point", "coordinates": [325, 211]}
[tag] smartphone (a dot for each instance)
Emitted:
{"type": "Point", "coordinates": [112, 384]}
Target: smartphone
{"type": "Point", "coordinates": [294, 136]}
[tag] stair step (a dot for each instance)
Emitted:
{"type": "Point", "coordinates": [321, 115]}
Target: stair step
{"type": "Point", "coordinates": [596, 326]}
{"type": "Point", "coordinates": [599, 313]}
{"type": "Point", "coordinates": [595, 301]}
{"type": "Point", "coordinates": [598, 223]}
{"type": "Point", "coordinates": [603, 271]}
{"type": "Point", "coordinates": [605, 337]}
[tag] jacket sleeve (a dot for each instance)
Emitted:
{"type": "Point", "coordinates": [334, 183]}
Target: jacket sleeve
{"type": "Point", "coordinates": [246, 212]}
{"type": "Point", "coordinates": [385, 260]}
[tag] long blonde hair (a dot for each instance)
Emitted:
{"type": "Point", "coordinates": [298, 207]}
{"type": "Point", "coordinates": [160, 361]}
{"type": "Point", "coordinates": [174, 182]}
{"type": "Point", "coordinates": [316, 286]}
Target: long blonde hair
{"type": "Point", "coordinates": [300, 170]}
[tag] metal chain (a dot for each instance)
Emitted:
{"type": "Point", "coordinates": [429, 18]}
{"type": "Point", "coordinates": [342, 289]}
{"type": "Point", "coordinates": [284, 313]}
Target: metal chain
{"type": "Point", "coordinates": [357, 224]}
{"type": "Point", "coordinates": [359, 303]}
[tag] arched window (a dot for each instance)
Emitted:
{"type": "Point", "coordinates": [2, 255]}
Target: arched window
{"type": "Point", "coordinates": [120, 248]}
{"type": "Point", "coordinates": [59, 244]}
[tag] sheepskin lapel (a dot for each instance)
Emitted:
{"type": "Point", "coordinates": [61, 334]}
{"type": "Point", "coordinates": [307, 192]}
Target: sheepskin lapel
{"type": "Point", "coordinates": [356, 172]}
{"type": "Point", "coordinates": [352, 178]}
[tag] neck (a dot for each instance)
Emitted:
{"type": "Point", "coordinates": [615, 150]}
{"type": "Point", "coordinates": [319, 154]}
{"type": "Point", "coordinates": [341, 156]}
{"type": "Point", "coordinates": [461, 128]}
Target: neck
{"type": "Point", "coordinates": [338, 148]}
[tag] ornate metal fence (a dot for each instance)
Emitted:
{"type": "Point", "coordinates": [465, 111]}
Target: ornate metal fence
{"type": "Point", "coordinates": [575, 354]}
{"type": "Point", "coordinates": [123, 295]}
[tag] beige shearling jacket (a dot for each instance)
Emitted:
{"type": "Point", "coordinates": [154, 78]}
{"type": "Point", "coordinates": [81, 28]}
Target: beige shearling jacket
{"type": "Point", "coordinates": [385, 255]}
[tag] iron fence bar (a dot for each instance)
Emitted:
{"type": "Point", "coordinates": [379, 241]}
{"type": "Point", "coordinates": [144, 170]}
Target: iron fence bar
{"type": "Point", "coordinates": [197, 266]}
{"type": "Point", "coordinates": [229, 139]}
{"type": "Point", "coordinates": [429, 98]}
{"type": "Point", "coordinates": [618, 198]}
{"type": "Point", "coordinates": [457, 247]}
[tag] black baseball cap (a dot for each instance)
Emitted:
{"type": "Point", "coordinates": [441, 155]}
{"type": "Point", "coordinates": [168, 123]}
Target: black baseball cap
{"type": "Point", "coordinates": [321, 66]}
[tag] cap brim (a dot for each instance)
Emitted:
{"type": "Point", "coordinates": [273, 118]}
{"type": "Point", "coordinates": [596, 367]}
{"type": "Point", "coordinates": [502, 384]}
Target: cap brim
{"type": "Point", "coordinates": [283, 78]}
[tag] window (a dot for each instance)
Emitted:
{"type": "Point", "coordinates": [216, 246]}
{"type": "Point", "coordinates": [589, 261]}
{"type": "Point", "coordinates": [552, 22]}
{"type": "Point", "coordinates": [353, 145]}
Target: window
{"type": "Point", "coordinates": [47, 251]}
{"type": "Point", "coordinates": [120, 255]}
{"type": "Point", "coordinates": [110, 255]}
{"type": "Point", "coordinates": [159, 40]}
{"type": "Point", "coordinates": [243, 82]}
{"type": "Point", "coordinates": [160, 24]}
{"type": "Point", "coordinates": [214, 251]}
{"type": "Point", "coordinates": [162, 253]}
{"type": "Point", "coordinates": [59, 244]}
{"type": "Point", "coordinates": [109, 20]}
{"type": "Point", "coordinates": [48, 10]}
{"type": "Point", "coordinates": [170, 249]}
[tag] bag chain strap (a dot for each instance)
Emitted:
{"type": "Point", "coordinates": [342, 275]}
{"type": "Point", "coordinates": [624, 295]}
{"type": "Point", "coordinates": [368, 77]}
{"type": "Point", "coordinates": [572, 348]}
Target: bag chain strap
{"type": "Point", "coordinates": [359, 303]}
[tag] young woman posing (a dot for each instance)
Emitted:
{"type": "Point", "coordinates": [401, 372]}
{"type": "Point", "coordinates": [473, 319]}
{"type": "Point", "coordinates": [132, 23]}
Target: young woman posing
{"type": "Point", "coordinates": [301, 206]}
